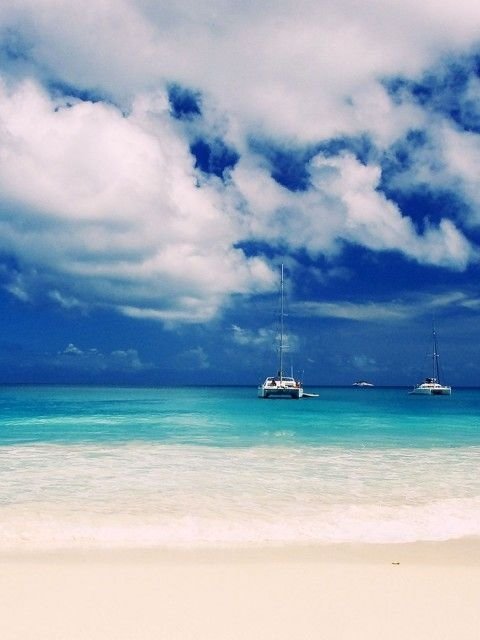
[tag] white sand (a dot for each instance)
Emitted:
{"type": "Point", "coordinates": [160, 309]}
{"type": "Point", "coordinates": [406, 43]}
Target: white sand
{"type": "Point", "coordinates": [324, 593]}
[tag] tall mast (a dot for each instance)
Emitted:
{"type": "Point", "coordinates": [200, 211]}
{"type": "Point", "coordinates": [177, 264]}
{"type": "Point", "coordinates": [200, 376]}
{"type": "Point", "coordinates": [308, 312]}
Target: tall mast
{"type": "Point", "coordinates": [435, 356]}
{"type": "Point", "coordinates": [281, 324]}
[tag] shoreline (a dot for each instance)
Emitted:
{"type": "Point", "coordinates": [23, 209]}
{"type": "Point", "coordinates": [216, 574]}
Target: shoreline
{"type": "Point", "coordinates": [452, 551]}
{"type": "Point", "coordinates": [420, 590]}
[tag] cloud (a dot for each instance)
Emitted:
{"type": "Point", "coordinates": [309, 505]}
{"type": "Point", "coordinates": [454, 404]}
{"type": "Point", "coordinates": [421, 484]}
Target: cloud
{"type": "Point", "coordinates": [114, 211]}
{"type": "Point", "coordinates": [460, 153]}
{"type": "Point", "coordinates": [74, 359]}
{"type": "Point", "coordinates": [266, 339]}
{"type": "Point", "coordinates": [113, 194]}
{"type": "Point", "coordinates": [248, 338]}
{"type": "Point", "coordinates": [287, 67]}
{"type": "Point", "coordinates": [364, 363]}
{"type": "Point", "coordinates": [72, 350]}
{"type": "Point", "coordinates": [342, 204]}
{"type": "Point", "coordinates": [372, 312]}
{"type": "Point", "coordinates": [388, 311]}
{"type": "Point", "coordinates": [444, 161]}
{"type": "Point", "coordinates": [193, 359]}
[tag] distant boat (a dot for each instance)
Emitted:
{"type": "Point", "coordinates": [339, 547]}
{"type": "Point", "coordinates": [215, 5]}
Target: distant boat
{"type": "Point", "coordinates": [432, 386]}
{"type": "Point", "coordinates": [279, 385]}
{"type": "Point", "coordinates": [362, 383]}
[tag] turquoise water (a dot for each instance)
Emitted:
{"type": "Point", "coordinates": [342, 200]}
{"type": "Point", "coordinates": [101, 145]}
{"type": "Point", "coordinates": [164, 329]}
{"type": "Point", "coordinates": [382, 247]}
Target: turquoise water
{"type": "Point", "coordinates": [85, 466]}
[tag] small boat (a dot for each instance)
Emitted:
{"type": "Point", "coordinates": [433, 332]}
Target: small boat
{"type": "Point", "coordinates": [280, 385]}
{"type": "Point", "coordinates": [431, 386]}
{"type": "Point", "coordinates": [362, 383]}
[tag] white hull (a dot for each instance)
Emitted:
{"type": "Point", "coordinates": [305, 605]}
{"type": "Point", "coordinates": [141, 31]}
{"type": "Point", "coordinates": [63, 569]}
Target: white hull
{"type": "Point", "coordinates": [280, 391]}
{"type": "Point", "coordinates": [431, 386]}
{"type": "Point", "coordinates": [431, 390]}
{"type": "Point", "coordinates": [281, 386]}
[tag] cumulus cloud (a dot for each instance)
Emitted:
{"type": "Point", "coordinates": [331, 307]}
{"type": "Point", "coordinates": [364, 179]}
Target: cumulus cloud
{"type": "Point", "coordinates": [114, 210]}
{"type": "Point", "coordinates": [193, 359]}
{"type": "Point", "coordinates": [290, 67]}
{"type": "Point", "coordinates": [266, 339]}
{"type": "Point", "coordinates": [72, 350]}
{"type": "Point", "coordinates": [444, 160]}
{"type": "Point", "coordinates": [246, 337]}
{"type": "Point", "coordinates": [103, 202]}
{"type": "Point", "coordinates": [459, 153]}
{"type": "Point", "coordinates": [93, 360]}
{"type": "Point", "coordinates": [364, 363]}
{"type": "Point", "coordinates": [343, 204]}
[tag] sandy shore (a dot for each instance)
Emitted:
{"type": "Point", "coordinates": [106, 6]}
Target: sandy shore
{"type": "Point", "coordinates": [332, 592]}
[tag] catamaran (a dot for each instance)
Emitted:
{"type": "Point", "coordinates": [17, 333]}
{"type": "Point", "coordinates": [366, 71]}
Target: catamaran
{"type": "Point", "coordinates": [431, 386]}
{"type": "Point", "coordinates": [280, 385]}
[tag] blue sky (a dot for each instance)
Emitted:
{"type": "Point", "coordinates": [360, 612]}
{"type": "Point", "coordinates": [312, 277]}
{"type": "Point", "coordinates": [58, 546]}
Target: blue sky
{"type": "Point", "coordinates": [160, 161]}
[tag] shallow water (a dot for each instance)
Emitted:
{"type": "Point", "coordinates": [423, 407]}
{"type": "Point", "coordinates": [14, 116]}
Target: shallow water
{"type": "Point", "coordinates": [86, 466]}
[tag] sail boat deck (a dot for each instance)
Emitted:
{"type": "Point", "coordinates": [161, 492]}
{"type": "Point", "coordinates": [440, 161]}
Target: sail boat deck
{"type": "Point", "coordinates": [431, 386]}
{"type": "Point", "coordinates": [280, 386]}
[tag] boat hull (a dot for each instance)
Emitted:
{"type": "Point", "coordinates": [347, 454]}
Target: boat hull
{"type": "Point", "coordinates": [294, 393]}
{"type": "Point", "coordinates": [431, 386]}
{"type": "Point", "coordinates": [431, 391]}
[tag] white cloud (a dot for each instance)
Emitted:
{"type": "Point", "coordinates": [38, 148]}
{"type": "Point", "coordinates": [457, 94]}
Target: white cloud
{"type": "Point", "coordinates": [93, 361]}
{"type": "Point", "coordinates": [64, 301]}
{"type": "Point", "coordinates": [387, 311]}
{"type": "Point", "coordinates": [267, 339]}
{"type": "Point", "coordinates": [247, 338]}
{"type": "Point", "coordinates": [373, 312]}
{"type": "Point", "coordinates": [298, 69]}
{"type": "Point", "coordinates": [364, 363]}
{"type": "Point", "coordinates": [343, 204]}
{"type": "Point", "coordinates": [461, 151]}
{"type": "Point", "coordinates": [193, 359]}
{"type": "Point", "coordinates": [113, 208]}
{"type": "Point", "coordinates": [446, 160]}
{"type": "Point", "coordinates": [103, 206]}
{"type": "Point", "coordinates": [72, 350]}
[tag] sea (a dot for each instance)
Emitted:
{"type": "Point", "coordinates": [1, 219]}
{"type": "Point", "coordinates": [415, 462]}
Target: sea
{"type": "Point", "coordinates": [117, 467]}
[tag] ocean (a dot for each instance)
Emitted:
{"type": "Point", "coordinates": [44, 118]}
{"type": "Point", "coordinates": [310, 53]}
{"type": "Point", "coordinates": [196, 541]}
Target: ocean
{"type": "Point", "coordinates": [102, 467]}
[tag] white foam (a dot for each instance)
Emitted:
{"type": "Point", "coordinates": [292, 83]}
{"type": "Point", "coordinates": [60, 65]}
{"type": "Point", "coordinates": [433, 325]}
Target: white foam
{"type": "Point", "coordinates": [153, 494]}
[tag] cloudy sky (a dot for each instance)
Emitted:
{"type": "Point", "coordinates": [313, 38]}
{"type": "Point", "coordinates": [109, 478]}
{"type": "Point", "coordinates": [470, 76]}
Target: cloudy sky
{"type": "Point", "coordinates": [159, 161]}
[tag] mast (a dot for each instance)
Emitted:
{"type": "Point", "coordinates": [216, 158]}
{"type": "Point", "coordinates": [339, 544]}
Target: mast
{"type": "Point", "coordinates": [281, 323]}
{"type": "Point", "coordinates": [435, 357]}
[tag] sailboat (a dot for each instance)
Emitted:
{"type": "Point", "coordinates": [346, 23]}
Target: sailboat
{"type": "Point", "coordinates": [280, 385]}
{"type": "Point", "coordinates": [431, 386]}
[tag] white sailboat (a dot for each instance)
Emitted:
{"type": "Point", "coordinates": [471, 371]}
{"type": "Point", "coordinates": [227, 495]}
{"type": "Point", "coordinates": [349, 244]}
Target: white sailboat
{"type": "Point", "coordinates": [431, 386]}
{"type": "Point", "coordinates": [279, 385]}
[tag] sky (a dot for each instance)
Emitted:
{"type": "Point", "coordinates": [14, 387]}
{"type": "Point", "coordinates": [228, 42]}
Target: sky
{"type": "Point", "coordinates": [160, 161]}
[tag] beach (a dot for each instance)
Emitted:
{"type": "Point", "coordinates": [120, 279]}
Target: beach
{"type": "Point", "coordinates": [208, 514]}
{"type": "Point", "coordinates": [344, 592]}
